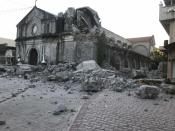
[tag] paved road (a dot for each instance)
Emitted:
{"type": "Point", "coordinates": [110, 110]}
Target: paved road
{"type": "Point", "coordinates": [111, 111]}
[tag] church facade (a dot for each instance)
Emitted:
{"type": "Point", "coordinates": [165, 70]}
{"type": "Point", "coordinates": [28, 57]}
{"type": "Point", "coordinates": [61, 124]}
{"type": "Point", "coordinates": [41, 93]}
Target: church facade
{"type": "Point", "coordinates": [72, 36]}
{"type": "Point", "coordinates": [44, 37]}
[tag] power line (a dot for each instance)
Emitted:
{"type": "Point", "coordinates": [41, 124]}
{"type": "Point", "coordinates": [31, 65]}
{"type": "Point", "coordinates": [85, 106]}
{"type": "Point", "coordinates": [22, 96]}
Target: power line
{"type": "Point", "coordinates": [17, 2]}
{"type": "Point", "coordinates": [15, 10]}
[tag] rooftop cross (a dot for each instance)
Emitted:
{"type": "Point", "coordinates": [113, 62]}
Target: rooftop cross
{"type": "Point", "coordinates": [35, 2]}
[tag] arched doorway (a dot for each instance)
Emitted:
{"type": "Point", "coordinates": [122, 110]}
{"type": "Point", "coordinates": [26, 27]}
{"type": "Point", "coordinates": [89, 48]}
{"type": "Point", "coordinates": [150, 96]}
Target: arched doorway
{"type": "Point", "coordinates": [33, 57]}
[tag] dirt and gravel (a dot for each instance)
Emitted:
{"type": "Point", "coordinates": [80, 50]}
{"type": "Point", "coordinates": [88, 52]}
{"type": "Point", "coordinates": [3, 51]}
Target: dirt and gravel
{"type": "Point", "coordinates": [29, 106]}
{"type": "Point", "coordinates": [49, 98]}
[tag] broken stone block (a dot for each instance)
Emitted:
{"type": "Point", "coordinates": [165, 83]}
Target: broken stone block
{"type": "Point", "coordinates": [32, 86]}
{"type": "Point", "coordinates": [2, 68]}
{"type": "Point", "coordinates": [92, 85]}
{"type": "Point", "coordinates": [85, 97]}
{"type": "Point", "coordinates": [14, 94]}
{"type": "Point", "coordinates": [119, 89]}
{"type": "Point", "coordinates": [51, 78]}
{"type": "Point", "coordinates": [2, 123]}
{"type": "Point", "coordinates": [23, 69]}
{"type": "Point", "coordinates": [148, 92]}
{"type": "Point", "coordinates": [169, 89]}
{"type": "Point", "coordinates": [136, 74]}
{"type": "Point", "coordinates": [88, 65]}
{"type": "Point", "coordinates": [34, 79]}
{"type": "Point", "coordinates": [60, 109]}
{"type": "Point", "coordinates": [63, 76]}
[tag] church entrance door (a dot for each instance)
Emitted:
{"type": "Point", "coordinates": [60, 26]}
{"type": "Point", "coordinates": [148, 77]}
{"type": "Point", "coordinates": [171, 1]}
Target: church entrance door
{"type": "Point", "coordinates": [33, 57]}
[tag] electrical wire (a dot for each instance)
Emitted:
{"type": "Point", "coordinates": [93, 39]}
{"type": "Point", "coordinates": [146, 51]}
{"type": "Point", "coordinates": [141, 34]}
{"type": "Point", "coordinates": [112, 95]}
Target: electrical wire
{"type": "Point", "coordinates": [17, 2]}
{"type": "Point", "coordinates": [15, 10]}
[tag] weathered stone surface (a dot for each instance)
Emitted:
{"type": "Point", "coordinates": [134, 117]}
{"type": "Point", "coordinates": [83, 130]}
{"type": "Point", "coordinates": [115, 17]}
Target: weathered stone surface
{"type": "Point", "coordinates": [2, 123]}
{"type": "Point", "coordinates": [87, 20]}
{"type": "Point", "coordinates": [51, 78]}
{"type": "Point", "coordinates": [63, 76]}
{"type": "Point", "coordinates": [92, 84]}
{"type": "Point", "coordinates": [32, 86]}
{"type": "Point", "coordinates": [61, 67]}
{"type": "Point", "coordinates": [60, 76]}
{"type": "Point", "coordinates": [85, 97]}
{"type": "Point", "coordinates": [169, 89]}
{"type": "Point", "coordinates": [69, 17]}
{"type": "Point", "coordinates": [148, 92]}
{"type": "Point", "coordinates": [138, 74]}
{"type": "Point", "coordinates": [119, 84]}
{"type": "Point", "coordinates": [88, 65]}
{"type": "Point", "coordinates": [22, 69]}
{"type": "Point", "coordinates": [60, 109]}
{"type": "Point", "coordinates": [2, 68]}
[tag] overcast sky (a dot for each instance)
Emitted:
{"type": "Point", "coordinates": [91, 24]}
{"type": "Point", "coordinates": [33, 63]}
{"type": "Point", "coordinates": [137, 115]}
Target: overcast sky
{"type": "Point", "coordinates": [127, 18]}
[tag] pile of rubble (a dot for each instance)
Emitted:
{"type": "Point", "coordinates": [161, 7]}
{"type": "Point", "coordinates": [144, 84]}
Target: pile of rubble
{"type": "Point", "coordinates": [96, 79]}
{"type": "Point", "coordinates": [90, 76]}
{"type": "Point", "coordinates": [148, 92]}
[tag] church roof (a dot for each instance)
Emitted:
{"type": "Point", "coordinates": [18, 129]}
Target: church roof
{"type": "Point", "coordinates": [111, 34]}
{"type": "Point", "coordinates": [147, 39]}
{"type": "Point", "coordinates": [41, 10]}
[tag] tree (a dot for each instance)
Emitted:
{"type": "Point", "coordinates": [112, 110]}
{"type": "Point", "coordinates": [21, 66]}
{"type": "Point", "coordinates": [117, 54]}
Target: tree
{"type": "Point", "coordinates": [158, 56]}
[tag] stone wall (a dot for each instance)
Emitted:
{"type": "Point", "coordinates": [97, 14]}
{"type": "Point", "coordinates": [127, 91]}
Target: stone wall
{"type": "Point", "coordinates": [47, 47]}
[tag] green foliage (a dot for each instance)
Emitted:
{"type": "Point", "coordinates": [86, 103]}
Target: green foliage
{"type": "Point", "coordinates": [101, 42]}
{"type": "Point", "coordinates": [158, 56]}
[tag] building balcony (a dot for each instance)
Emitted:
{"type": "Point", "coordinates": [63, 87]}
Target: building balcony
{"type": "Point", "coordinates": [166, 12]}
{"type": "Point", "coordinates": [166, 15]}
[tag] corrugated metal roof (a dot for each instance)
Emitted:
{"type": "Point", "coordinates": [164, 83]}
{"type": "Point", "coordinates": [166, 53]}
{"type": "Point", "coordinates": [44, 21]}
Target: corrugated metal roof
{"type": "Point", "coordinates": [9, 42]}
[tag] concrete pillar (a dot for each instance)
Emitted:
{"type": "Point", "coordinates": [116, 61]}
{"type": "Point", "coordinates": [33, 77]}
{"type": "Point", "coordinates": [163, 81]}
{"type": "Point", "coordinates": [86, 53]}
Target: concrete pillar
{"type": "Point", "coordinates": [169, 70]}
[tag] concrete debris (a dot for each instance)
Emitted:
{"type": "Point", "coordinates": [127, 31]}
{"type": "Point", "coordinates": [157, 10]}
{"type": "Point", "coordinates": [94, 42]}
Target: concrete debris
{"type": "Point", "coordinates": [60, 76]}
{"type": "Point", "coordinates": [63, 76]}
{"type": "Point", "coordinates": [148, 92]}
{"type": "Point", "coordinates": [145, 81]}
{"type": "Point", "coordinates": [2, 68]}
{"type": "Point", "coordinates": [85, 97]}
{"type": "Point", "coordinates": [51, 78]}
{"type": "Point", "coordinates": [166, 100]}
{"type": "Point", "coordinates": [136, 74]}
{"type": "Point", "coordinates": [154, 74]}
{"type": "Point", "coordinates": [119, 84]}
{"type": "Point", "coordinates": [22, 69]}
{"type": "Point", "coordinates": [60, 109]}
{"type": "Point", "coordinates": [169, 89]}
{"type": "Point", "coordinates": [2, 123]}
{"type": "Point", "coordinates": [92, 84]}
{"type": "Point", "coordinates": [88, 65]}
{"type": "Point", "coordinates": [31, 86]}
{"type": "Point", "coordinates": [61, 67]}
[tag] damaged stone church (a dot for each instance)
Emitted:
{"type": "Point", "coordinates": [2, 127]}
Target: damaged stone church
{"type": "Point", "coordinates": [72, 36]}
